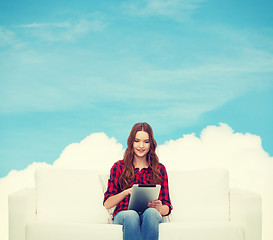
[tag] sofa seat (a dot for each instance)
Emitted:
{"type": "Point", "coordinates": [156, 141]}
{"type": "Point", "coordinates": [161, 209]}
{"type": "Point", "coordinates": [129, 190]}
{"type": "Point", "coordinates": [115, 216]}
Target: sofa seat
{"type": "Point", "coordinates": [70, 231]}
{"type": "Point", "coordinates": [172, 230]}
{"type": "Point", "coordinates": [200, 231]}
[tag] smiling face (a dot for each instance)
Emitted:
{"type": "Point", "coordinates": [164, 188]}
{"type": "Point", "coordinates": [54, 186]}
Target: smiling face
{"type": "Point", "coordinates": [141, 144]}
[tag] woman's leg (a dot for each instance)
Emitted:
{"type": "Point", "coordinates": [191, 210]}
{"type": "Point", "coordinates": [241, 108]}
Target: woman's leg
{"type": "Point", "coordinates": [131, 224]}
{"type": "Point", "coordinates": [150, 223]}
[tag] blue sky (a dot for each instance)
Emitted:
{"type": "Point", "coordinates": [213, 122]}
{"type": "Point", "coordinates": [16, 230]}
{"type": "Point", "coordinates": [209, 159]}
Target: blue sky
{"type": "Point", "coordinates": [71, 68]}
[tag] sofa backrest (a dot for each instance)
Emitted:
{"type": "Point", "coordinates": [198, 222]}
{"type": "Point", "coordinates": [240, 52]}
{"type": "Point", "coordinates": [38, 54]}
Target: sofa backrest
{"type": "Point", "coordinates": [199, 195]}
{"type": "Point", "coordinates": [69, 195]}
{"type": "Point", "coordinates": [77, 195]}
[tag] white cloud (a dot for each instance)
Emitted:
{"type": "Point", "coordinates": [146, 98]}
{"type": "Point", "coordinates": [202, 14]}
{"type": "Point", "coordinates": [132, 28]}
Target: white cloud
{"type": "Point", "coordinates": [180, 10]}
{"type": "Point", "coordinates": [43, 25]}
{"type": "Point", "coordinates": [91, 153]}
{"type": "Point", "coordinates": [249, 165]}
{"type": "Point", "coordinates": [219, 146]}
{"type": "Point", "coordinates": [66, 30]}
{"type": "Point", "coordinates": [8, 38]}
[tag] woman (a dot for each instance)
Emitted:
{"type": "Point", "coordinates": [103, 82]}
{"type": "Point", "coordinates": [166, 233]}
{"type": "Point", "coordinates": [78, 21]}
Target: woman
{"type": "Point", "coordinates": [140, 165]}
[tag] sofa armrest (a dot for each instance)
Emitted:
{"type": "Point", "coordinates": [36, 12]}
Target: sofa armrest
{"type": "Point", "coordinates": [246, 210]}
{"type": "Point", "coordinates": [168, 218]}
{"type": "Point", "coordinates": [22, 209]}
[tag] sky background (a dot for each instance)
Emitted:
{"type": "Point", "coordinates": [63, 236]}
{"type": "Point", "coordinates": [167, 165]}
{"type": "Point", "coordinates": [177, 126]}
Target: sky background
{"type": "Point", "coordinates": [72, 68]}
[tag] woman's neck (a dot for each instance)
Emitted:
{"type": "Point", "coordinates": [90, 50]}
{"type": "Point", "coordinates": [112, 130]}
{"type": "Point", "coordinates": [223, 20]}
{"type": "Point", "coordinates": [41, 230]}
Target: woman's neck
{"type": "Point", "coordinates": [140, 162]}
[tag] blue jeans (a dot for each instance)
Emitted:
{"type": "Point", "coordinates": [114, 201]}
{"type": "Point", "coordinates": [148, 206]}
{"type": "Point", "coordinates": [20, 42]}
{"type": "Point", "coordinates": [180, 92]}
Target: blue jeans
{"type": "Point", "coordinates": [137, 227]}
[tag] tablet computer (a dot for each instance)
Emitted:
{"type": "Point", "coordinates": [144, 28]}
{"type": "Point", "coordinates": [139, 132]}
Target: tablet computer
{"type": "Point", "coordinates": [142, 194]}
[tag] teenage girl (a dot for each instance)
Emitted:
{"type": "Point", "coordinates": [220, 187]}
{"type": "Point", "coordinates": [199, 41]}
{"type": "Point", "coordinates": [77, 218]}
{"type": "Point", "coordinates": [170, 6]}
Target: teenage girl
{"type": "Point", "coordinates": [140, 165]}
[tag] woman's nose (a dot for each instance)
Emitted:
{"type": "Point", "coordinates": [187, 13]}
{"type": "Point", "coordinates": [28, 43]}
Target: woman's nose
{"type": "Point", "coordinates": [141, 144]}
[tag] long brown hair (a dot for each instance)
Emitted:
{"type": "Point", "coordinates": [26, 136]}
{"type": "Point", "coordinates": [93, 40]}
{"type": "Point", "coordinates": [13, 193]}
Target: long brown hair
{"type": "Point", "coordinates": [128, 175]}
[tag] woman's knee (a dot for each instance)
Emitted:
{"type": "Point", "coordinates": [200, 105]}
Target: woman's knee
{"type": "Point", "coordinates": [151, 214]}
{"type": "Point", "coordinates": [132, 216]}
{"type": "Point", "coordinates": [127, 217]}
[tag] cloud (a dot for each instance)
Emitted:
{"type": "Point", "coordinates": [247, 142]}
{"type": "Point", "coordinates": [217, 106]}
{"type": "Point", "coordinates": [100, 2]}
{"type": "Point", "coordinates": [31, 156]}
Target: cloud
{"type": "Point", "coordinates": [91, 153]}
{"type": "Point", "coordinates": [8, 38]}
{"type": "Point", "coordinates": [67, 30]}
{"type": "Point", "coordinates": [44, 25]}
{"type": "Point", "coordinates": [179, 10]}
{"type": "Point", "coordinates": [220, 146]}
{"type": "Point", "coordinates": [249, 165]}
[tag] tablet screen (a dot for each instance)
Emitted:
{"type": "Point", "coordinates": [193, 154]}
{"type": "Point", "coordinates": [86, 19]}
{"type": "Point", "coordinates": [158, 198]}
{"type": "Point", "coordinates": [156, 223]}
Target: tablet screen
{"type": "Point", "coordinates": [142, 194]}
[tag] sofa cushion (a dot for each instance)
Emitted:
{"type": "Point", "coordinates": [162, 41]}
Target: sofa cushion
{"type": "Point", "coordinates": [71, 231]}
{"type": "Point", "coordinates": [69, 195]}
{"type": "Point", "coordinates": [201, 231]}
{"type": "Point", "coordinates": [199, 195]}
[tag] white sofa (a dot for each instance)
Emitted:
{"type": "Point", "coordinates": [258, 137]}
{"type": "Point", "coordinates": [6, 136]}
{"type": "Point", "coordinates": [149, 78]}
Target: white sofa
{"type": "Point", "coordinates": [67, 205]}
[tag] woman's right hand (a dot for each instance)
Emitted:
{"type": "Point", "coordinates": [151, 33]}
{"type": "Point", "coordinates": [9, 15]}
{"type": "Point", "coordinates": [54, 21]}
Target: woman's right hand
{"type": "Point", "coordinates": [115, 199]}
{"type": "Point", "coordinates": [128, 191]}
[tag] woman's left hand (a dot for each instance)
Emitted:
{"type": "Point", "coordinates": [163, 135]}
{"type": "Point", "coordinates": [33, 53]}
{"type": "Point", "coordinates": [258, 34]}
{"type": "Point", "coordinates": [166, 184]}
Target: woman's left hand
{"type": "Point", "coordinates": [157, 204]}
{"type": "Point", "coordinates": [162, 209]}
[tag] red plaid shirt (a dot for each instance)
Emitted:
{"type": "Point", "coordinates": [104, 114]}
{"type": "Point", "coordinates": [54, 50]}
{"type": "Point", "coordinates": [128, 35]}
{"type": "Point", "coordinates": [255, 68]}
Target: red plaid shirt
{"type": "Point", "coordinates": [141, 177]}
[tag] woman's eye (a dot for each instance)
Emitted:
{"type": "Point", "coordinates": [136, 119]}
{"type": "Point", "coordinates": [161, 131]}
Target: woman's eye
{"type": "Point", "coordinates": [136, 140]}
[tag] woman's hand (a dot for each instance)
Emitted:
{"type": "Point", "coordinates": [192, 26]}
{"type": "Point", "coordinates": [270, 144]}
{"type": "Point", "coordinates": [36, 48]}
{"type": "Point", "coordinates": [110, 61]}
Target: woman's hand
{"type": "Point", "coordinates": [114, 200]}
{"type": "Point", "coordinates": [128, 191]}
{"type": "Point", "coordinates": [157, 204]}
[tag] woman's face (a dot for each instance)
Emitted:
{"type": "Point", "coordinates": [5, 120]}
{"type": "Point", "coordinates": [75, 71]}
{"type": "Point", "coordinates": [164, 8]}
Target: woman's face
{"type": "Point", "coordinates": [141, 144]}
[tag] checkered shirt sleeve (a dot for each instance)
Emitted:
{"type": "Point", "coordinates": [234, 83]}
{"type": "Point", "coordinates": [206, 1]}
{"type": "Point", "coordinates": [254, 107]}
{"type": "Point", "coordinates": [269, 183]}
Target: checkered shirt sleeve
{"type": "Point", "coordinates": [164, 195]}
